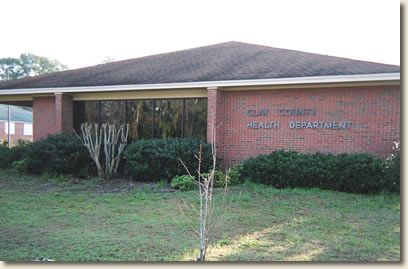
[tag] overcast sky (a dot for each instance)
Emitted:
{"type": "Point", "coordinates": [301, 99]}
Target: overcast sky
{"type": "Point", "coordinates": [83, 33]}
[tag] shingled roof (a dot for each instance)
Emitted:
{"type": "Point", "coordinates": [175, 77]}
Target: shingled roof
{"type": "Point", "coordinates": [219, 62]}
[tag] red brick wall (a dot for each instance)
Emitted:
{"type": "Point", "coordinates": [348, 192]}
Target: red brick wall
{"type": "Point", "coordinates": [215, 113]}
{"type": "Point", "coordinates": [52, 115]}
{"type": "Point", "coordinates": [43, 117]}
{"type": "Point", "coordinates": [373, 111]}
{"type": "Point", "coordinates": [64, 112]}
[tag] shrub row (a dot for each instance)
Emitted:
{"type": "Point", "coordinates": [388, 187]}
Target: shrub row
{"type": "Point", "coordinates": [60, 154]}
{"type": "Point", "coordinates": [158, 159]}
{"type": "Point", "coordinates": [357, 172]}
{"type": "Point", "coordinates": [150, 160]}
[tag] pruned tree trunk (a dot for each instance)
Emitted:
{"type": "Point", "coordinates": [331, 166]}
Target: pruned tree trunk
{"type": "Point", "coordinates": [92, 139]}
{"type": "Point", "coordinates": [114, 142]}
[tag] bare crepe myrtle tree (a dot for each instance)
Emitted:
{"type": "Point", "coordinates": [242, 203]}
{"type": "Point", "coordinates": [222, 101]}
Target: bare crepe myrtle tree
{"type": "Point", "coordinates": [113, 140]}
{"type": "Point", "coordinates": [205, 182]}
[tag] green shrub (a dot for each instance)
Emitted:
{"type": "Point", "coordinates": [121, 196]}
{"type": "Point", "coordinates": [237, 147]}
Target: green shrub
{"type": "Point", "coordinates": [60, 154]}
{"type": "Point", "coordinates": [359, 173]}
{"type": "Point", "coordinates": [155, 159]}
{"type": "Point", "coordinates": [19, 166]}
{"type": "Point", "coordinates": [184, 183]}
{"type": "Point", "coordinates": [280, 169]}
{"type": "Point", "coordinates": [9, 156]}
{"type": "Point", "coordinates": [356, 172]}
{"type": "Point", "coordinates": [219, 178]}
{"type": "Point", "coordinates": [4, 151]}
{"type": "Point", "coordinates": [234, 176]}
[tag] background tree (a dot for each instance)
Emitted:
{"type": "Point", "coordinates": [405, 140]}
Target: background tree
{"type": "Point", "coordinates": [28, 65]}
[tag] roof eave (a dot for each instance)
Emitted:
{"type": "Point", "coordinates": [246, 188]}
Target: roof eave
{"type": "Point", "coordinates": [379, 77]}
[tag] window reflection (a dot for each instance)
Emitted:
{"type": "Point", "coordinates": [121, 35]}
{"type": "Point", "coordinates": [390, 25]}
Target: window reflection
{"type": "Point", "coordinates": [169, 118]}
{"type": "Point", "coordinates": [165, 118]}
{"type": "Point", "coordinates": [113, 112]}
{"type": "Point", "coordinates": [85, 112]}
{"type": "Point", "coordinates": [140, 118]}
{"type": "Point", "coordinates": [195, 118]}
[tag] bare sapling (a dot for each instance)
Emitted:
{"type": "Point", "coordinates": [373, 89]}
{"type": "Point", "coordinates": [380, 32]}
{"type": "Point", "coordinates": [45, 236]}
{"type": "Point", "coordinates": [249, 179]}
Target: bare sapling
{"type": "Point", "coordinates": [205, 182]}
{"type": "Point", "coordinates": [114, 141]}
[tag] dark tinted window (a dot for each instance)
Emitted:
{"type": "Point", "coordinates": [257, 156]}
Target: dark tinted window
{"type": "Point", "coordinates": [85, 112]}
{"type": "Point", "coordinates": [195, 118]}
{"type": "Point", "coordinates": [113, 112]}
{"type": "Point", "coordinates": [165, 118]}
{"type": "Point", "coordinates": [169, 115]}
{"type": "Point", "coordinates": [140, 118]}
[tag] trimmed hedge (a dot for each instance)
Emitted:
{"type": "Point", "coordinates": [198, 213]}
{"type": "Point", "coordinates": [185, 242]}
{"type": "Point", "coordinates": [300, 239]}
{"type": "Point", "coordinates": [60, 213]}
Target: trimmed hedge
{"type": "Point", "coordinates": [356, 172]}
{"type": "Point", "coordinates": [158, 159]}
{"type": "Point", "coordinates": [60, 154]}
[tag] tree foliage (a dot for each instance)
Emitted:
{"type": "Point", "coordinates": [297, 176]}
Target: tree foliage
{"type": "Point", "coordinates": [28, 65]}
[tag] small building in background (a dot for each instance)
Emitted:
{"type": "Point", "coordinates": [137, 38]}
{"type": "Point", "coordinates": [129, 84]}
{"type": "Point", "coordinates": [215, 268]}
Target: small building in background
{"type": "Point", "coordinates": [21, 124]}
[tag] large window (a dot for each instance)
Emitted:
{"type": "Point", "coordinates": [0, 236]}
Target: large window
{"type": "Point", "coordinates": [164, 118]}
{"type": "Point", "coordinates": [113, 112]}
{"type": "Point", "coordinates": [169, 115]}
{"type": "Point", "coordinates": [140, 118]}
{"type": "Point", "coordinates": [194, 117]}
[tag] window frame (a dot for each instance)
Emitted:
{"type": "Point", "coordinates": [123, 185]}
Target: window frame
{"type": "Point", "coordinates": [154, 117]}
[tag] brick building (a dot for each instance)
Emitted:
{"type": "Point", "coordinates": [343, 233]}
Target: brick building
{"type": "Point", "coordinates": [21, 124]}
{"type": "Point", "coordinates": [258, 99]}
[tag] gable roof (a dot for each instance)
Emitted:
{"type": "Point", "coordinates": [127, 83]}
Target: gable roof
{"type": "Point", "coordinates": [219, 62]}
{"type": "Point", "coordinates": [16, 114]}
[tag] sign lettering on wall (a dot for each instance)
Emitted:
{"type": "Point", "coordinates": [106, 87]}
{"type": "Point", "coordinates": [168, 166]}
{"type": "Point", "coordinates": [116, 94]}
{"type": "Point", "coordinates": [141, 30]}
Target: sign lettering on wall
{"type": "Point", "coordinates": [267, 124]}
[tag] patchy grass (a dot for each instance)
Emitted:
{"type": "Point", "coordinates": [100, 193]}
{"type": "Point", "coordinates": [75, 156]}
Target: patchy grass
{"type": "Point", "coordinates": [96, 220]}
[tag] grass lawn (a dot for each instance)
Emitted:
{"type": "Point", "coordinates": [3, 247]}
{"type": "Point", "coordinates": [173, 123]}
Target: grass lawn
{"type": "Point", "coordinates": [96, 220]}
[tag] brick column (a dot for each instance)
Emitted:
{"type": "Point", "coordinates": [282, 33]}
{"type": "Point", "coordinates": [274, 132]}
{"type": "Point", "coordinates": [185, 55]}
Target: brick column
{"type": "Point", "coordinates": [214, 119]}
{"type": "Point", "coordinates": [63, 113]}
{"type": "Point", "coordinates": [43, 117]}
{"type": "Point", "coordinates": [51, 115]}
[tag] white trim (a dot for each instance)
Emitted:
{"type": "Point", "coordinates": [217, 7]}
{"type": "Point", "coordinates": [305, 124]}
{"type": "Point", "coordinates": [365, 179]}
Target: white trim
{"type": "Point", "coordinates": [207, 84]}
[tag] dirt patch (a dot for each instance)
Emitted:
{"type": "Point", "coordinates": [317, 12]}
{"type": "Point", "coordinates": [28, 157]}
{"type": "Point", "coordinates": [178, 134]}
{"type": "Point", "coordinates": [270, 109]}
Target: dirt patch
{"type": "Point", "coordinates": [121, 185]}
